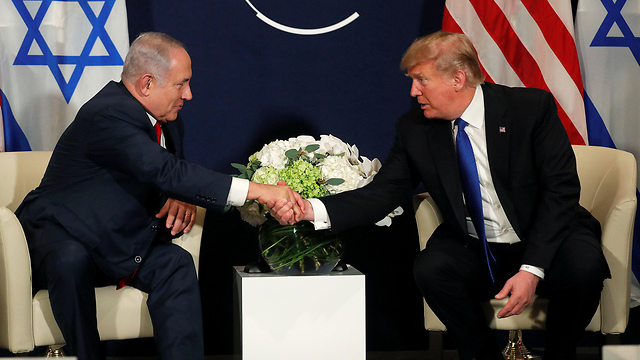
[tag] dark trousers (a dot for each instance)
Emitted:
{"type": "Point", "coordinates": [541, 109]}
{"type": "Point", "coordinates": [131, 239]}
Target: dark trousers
{"type": "Point", "coordinates": [452, 274]}
{"type": "Point", "coordinates": [167, 274]}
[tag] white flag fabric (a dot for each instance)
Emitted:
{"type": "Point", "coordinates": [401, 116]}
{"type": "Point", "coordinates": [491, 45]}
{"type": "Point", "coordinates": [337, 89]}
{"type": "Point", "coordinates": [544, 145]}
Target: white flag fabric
{"type": "Point", "coordinates": [54, 56]}
{"type": "Point", "coordinates": [526, 43]}
{"type": "Point", "coordinates": [610, 62]}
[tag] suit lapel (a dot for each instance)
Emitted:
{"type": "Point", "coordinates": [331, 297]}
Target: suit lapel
{"type": "Point", "coordinates": [498, 127]}
{"type": "Point", "coordinates": [169, 139]}
{"type": "Point", "coordinates": [440, 140]}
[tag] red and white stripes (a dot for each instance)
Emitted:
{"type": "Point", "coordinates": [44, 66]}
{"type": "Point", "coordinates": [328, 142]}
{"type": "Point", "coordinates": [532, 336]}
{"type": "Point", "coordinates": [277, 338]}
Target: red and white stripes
{"type": "Point", "coordinates": [526, 43]}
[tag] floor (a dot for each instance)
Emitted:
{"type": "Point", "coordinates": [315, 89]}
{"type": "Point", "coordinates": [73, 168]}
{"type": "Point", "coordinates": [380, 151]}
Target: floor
{"type": "Point", "coordinates": [583, 354]}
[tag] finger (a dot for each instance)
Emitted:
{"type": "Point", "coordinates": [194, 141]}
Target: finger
{"type": "Point", "coordinates": [175, 216]}
{"type": "Point", "coordinates": [290, 219]}
{"type": "Point", "coordinates": [299, 201]}
{"type": "Point", "coordinates": [279, 205]}
{"type": "Point", "coordinates": [507, 309]}
{"type": "Point", "coordinates": [190, 220]}
{"type": "Point", "coordinates": [285, 209]}
{"type": "Point", "coordinates": [178, 226]}
{"type": "Point", "coordinates": [165, 209]}
{"type": "Point", "coordinates": [502, 294]}
{"type": "Point", "coordinates": [171, 216]}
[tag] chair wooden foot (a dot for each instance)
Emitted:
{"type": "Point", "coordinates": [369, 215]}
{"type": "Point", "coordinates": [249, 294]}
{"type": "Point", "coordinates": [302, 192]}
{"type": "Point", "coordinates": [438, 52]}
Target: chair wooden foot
{"type": "Point", "coordinates": [515, 349]}
{"type": "Point", "coordinates": [55, 351]}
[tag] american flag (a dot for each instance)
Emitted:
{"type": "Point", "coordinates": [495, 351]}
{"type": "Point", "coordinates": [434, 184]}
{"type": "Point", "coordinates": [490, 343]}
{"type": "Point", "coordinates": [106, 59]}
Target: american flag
{"type": "Point", "coordinates": [526, 43]}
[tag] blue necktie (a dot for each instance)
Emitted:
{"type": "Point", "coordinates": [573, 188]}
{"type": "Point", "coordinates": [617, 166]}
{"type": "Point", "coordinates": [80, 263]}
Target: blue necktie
{"type": "Point", "coordinates": [471, 189]}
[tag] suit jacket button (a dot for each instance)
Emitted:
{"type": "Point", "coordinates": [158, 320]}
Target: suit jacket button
{"type": "Point", "coordinates": [138, 259]}
{"type": "Point", "coordinates": [154, 227]}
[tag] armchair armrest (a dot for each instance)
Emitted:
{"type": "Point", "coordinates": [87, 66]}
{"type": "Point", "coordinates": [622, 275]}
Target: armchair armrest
{"type": "Point", "coordinates": [16, 327]}
{"type": "Point", "coordinates": [191, 241]}
{"type": "Point", "coordinates": [428, 217]}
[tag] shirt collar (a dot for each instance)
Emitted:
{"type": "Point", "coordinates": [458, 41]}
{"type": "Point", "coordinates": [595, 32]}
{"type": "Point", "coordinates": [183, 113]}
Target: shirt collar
{"type": "Point", "coordinates": [152, 119]}
{"type": "Point", "coordinates": [474, 114]}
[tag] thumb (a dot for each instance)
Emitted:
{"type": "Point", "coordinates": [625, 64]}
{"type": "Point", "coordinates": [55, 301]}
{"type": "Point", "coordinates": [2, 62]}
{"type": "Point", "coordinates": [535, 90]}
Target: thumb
{"type": "Point", "coordinates": [503, 293]}
{"type": "Point", "coordinates": [163, 212]}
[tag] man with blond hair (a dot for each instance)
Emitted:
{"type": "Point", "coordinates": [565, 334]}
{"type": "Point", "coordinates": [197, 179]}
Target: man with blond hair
{"type": "Point", "coordinates": [499, 165]}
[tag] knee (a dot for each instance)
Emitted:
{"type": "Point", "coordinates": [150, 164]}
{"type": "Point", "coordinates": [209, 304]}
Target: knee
{"type": "Point", "coordinates": [584, 273]}
{"type": "Point", "coordinates": [428, 270]}
{"type": "Point", "coordinates": [589, 273]}
{"type": "Point", "coordinates": [182, 261]}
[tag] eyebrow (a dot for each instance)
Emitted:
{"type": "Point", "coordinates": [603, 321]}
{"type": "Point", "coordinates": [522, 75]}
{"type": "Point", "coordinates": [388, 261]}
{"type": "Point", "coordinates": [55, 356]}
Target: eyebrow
{"type": "Point", "coordinates": [415, 75]}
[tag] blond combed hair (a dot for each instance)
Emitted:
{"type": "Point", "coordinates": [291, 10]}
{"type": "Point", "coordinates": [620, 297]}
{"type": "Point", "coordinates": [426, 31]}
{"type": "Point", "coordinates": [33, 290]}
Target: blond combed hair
{"type": "Point", "coordinates": [450, 52]}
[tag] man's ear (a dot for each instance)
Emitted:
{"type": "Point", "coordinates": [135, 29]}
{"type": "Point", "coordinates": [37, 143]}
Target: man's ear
{"type": "Point", "coordinates": [145, 84]}
{"type": "Point", "coordinates": [459, 80]}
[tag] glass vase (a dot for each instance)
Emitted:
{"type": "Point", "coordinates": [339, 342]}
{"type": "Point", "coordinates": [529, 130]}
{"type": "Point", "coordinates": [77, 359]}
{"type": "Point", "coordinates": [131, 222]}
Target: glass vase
{"type": "Point", "coordinates": [298, 249]}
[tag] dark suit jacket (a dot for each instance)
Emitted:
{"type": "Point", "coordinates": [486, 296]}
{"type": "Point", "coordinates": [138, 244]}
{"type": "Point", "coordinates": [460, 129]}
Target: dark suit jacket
{"type": "Point", "coordinates": [532, 165]}
{"type": "Point", "coordinates": [107, 179]}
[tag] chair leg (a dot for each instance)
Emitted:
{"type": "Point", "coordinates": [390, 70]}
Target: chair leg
{"type": "Point", "coordinates": [435, 346]}
{"type": "Point", "coordinates": [515, 349]}
{"type": "Point", "coordinates": [55, 351]}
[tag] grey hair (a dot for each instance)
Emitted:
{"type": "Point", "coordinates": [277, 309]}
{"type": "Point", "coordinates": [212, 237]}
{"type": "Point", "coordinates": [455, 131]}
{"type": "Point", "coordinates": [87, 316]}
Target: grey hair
{"type": "Point", "coordinates": [150, 53]}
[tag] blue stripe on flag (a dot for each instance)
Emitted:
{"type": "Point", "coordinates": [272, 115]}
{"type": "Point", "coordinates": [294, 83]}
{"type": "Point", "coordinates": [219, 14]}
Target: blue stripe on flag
{"type": "Point", "coordinates": [14, 139]}
{"type": "Point", "coordinates": [597, 131]}
{"type": "Point", "coordinates": [599, 136]}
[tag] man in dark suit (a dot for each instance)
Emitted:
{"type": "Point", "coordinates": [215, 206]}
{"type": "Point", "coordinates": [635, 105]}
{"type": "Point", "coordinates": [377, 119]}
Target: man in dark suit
{"type": "Point", "coordinates": [539, 238]}
{"type": "Point", "coordinates": [116, 190]}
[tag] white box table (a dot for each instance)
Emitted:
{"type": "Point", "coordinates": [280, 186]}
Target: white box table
{"type": "Point", "coordinates": [621, 352]}
{"type": "Point", "coordinates": [301, 317]}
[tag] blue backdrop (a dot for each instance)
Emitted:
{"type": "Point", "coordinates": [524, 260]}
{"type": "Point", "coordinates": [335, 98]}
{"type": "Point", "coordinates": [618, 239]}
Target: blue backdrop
{"type": "Point", "coordinates": [253, 83]}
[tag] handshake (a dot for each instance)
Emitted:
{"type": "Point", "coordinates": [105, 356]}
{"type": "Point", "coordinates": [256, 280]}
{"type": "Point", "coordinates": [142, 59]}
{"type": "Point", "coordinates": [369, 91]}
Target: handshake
{"type": "Point", "coordinates": [285, 204]}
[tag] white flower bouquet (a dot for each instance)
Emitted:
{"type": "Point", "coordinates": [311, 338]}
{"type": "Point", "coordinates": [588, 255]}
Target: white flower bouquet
{"type": "Point", "coordinates": [313, 168]}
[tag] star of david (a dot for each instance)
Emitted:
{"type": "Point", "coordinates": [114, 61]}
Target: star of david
{"type": "Point", "coordinates": [81, 61]}
{"type": "Point", "coordinates": [614, 16]}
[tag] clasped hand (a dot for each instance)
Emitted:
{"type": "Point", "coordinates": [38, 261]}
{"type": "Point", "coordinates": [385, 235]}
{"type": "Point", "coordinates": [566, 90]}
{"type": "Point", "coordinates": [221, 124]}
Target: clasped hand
{"type": "Point", "coordinates": [289, 202]}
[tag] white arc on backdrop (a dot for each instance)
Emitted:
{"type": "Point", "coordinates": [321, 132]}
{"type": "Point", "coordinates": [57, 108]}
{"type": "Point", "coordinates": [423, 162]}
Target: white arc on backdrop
{"type": "Point", "coordinates": [298, 31]}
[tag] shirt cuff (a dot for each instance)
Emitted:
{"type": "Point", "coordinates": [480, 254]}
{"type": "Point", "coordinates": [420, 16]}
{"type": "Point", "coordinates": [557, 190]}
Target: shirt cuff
{"type": "Point", "coordinates": [320, 216]}
{"type": "Point", "coordinates": [539, 272]}
{"type": "Point", "coordinates": [238, 192]}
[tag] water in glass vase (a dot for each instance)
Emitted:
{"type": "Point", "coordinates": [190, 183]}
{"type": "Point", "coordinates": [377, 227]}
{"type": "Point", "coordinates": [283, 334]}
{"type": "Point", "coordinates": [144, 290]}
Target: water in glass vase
{"type": "Point", "coordinates": [298, 249]}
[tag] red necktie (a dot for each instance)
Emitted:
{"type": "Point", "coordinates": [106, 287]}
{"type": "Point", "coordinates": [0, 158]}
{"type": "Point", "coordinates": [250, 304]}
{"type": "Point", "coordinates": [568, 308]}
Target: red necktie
{"type": "Point", "coordinates": [126, 280]}
{"type": "Point", "coordinates": [158, 131]}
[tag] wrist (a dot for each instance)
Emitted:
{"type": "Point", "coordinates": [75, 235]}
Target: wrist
{"type": "Point", "coordinates": [255, 190]}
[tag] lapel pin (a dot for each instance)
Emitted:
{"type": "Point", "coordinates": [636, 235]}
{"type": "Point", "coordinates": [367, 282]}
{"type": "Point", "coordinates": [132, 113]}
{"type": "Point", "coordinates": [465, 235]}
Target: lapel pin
{"type": "Point", "coordinates": [502, 129]}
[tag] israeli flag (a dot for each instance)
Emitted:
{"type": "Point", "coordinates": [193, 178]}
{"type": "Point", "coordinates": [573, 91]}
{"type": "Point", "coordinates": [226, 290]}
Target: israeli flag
{"type": "Point", "coordinates": [54, 56]}
{"type": "Point", "coordinates": [606, 37]}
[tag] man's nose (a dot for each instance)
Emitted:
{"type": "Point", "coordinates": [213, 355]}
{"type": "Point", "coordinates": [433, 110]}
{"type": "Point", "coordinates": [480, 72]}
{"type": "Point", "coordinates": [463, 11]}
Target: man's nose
{"type": "Point", "coordinates": [415, 89]}
{"type": "Point", "coordinates": [186, 95]}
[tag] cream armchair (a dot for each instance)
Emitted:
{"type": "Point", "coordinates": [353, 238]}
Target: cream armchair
{"type": "Point", "coordinates": [26, 321]}
{"type": "Point", "coordinates": [608, 181]}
